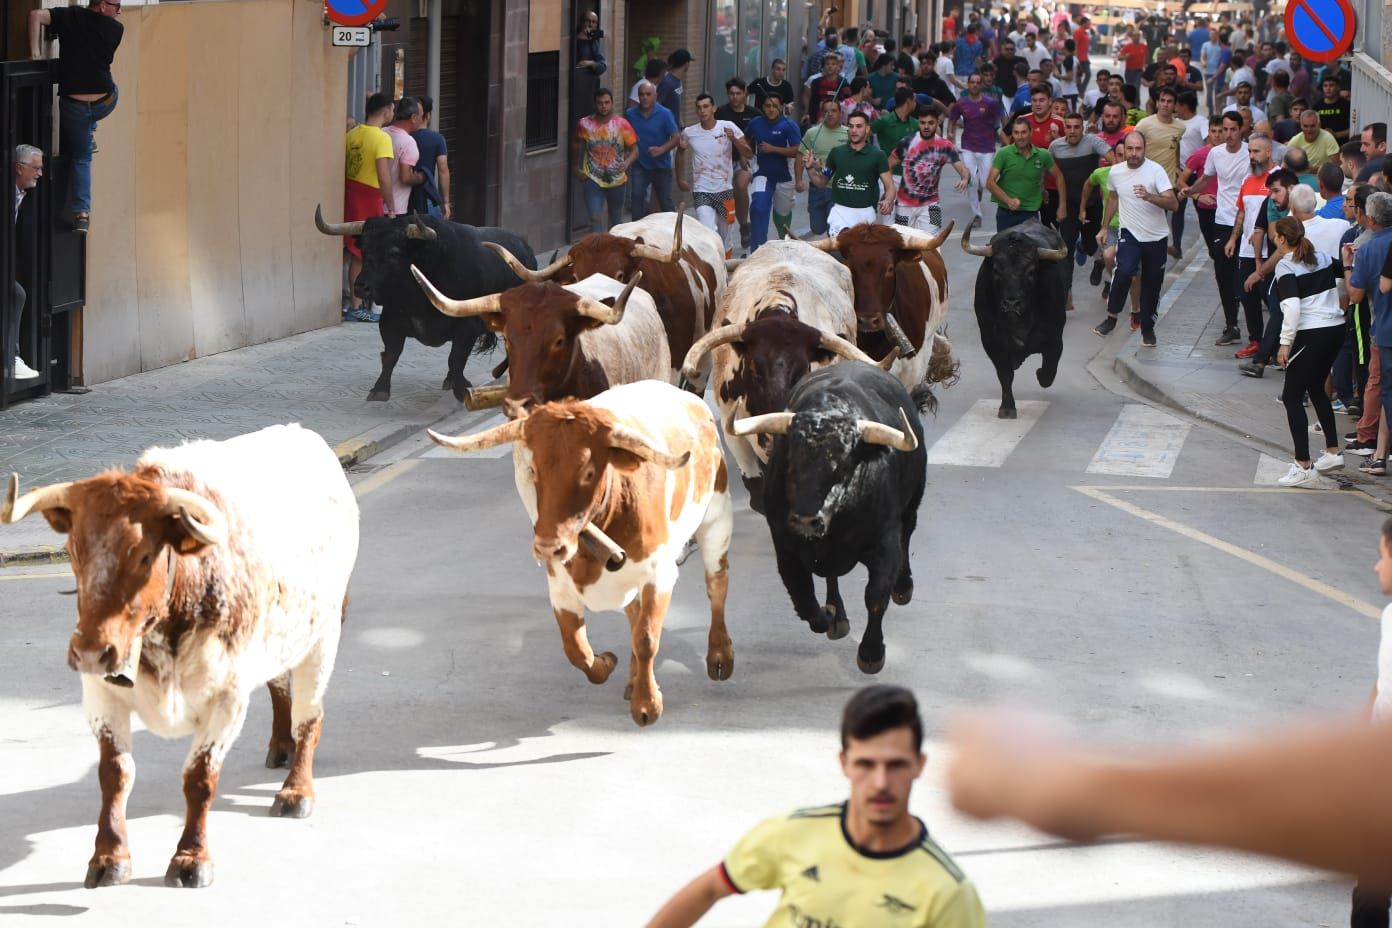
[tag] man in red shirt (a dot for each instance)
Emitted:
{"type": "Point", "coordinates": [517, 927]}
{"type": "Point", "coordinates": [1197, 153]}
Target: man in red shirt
{"type": "Point", "coordinates": [1133, 56]}
{"type": "Point", "coordinates": [1082, 42]}
{"type": "Point", "coordinates": [1044, 128]}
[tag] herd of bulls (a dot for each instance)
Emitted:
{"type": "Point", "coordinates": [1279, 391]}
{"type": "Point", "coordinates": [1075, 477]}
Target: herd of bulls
{"type": "Point", "coordinates": [217, 567]}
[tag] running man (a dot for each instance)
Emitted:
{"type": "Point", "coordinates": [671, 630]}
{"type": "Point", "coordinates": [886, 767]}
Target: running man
{"type": "Point", "coordinates": [867, 861]}
{"type": "Point", "coordinates": [1229, 164]}
{"type": "Point", "coordinates": [980, 117]}
{"type": "Point", "coordinates": [852, 172]}
{"type": "Point", "coordinates": [922, 157]}
{"type": "Point", "coordinates": [712, 145]}
{"type": "Point", "coordinates": [1017, 178]}
{"type": "Point", "coordinates": [1077, 155]}
{"type": "Point", "coordinates": [774, 139]}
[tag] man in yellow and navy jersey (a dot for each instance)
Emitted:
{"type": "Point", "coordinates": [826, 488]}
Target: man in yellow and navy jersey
{"type": "Point", "coordinates": [866, 861]}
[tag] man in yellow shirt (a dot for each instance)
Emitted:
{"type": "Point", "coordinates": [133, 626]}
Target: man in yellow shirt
{"type": "Point", "coordinates": [867, 861]}
{"type": "Point", "coordinates": [1319, 144]}
{"type": "Point", "coordinates": [366, 186]}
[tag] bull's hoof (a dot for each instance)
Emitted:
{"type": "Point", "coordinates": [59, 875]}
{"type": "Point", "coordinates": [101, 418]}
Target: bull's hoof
{"type": "Point", "coordinates": [870, 666]}
{"type": "Point", "coordinates": [628, 692]}
{"type": "Point", "coordinates": [603, 666]}
{"type": "Point", "coordinates": [817, 621]}
{"type": "Point", "coordinates": [646, 711]}
{"type": "Point", "coordinates": [105, 870]}
{"type": "Point", "coordinates": [448, 382]}
{"type": "Point", "coordinates": [838, 626]}
{"type": "Point", "coordinates": [189, 872]}
{"type": "Point", "coordinates": [1007, 413]}
{"type": "Point", "coordinates": [720, 665]}
{"type": "Point", "coordinates": [291, 803]}
{"type": "Point", "coordinates": [1045, 378]}
{"type": "Point", "coordinates": [902, 594]}
{"type": "Point", "coordinates": [379, 396]}
{"type": "Point", "coordinates": [461, 387]}
{"type": "Point", "coordinates": [277, 758]}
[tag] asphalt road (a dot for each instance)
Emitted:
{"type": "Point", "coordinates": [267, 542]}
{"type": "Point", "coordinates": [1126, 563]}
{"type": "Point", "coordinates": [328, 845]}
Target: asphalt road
{"type": "Point", "coordinates": [1118, 566]}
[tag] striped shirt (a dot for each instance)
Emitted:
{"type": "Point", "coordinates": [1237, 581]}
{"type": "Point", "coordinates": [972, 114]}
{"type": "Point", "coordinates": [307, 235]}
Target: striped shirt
{"type": "Point", "coordinates": [1308, 294]}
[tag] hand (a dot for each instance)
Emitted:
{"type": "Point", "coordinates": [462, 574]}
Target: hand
{"type": "Point", "coordinates": [447, 212]}
{"type": "Point", "coordinates": [1082, 218]}
{"type": "Point", "coordinates": [1252, 280]}
{"type": "Point", "coordinates": [801, 185]}
{"type": "Point", "coordinates": [684, 186]}
{"type": "Point", "coordinates": [886, 207]}
{"type": "Point", "coordinates": [682, 143]}
{"type": "Point", "coordinates": [1102, 238]}
{"type": "Point", "coordinates": [765, 148]}
{"type": "Point", "coordinates": [1013, 203]}
{"type": "Point", "coordinates": [1062, 216]}
{"type": "Point", "coordinates": [1141, 192]}
{"type": "Point", "coordinates": [655, 151]}
{"type": "Point", "coordinates": [1283, 355]}
{"type": "Point", "coordinates": [1350, 249]}
{"type": "Point", "coordinates": [1229, 248]}
{"type": "Point", "coordinates": [730, 133]}
{"type": "Point", "coordinates": [585, 64]}
{"type": "Point", "coordinates": [962, 184]}
{"type": "Point", "coordinates": [580, 174]}
{"type": "Point", "coordinates": [1208, 199]}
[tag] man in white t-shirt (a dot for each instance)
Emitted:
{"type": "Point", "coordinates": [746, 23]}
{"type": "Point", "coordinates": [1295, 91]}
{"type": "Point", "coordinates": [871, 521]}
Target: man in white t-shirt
{"type": "Point", "coordinates": [1033, 51]}
{"type": "Point", "coordinates": [1228, 164]}
{"type": "Point", "coordinates": [408, 117]}
{"type": "Point", "coordinates": [708, 145]}
{"type": "Point", "coordinates": [1143, 192]}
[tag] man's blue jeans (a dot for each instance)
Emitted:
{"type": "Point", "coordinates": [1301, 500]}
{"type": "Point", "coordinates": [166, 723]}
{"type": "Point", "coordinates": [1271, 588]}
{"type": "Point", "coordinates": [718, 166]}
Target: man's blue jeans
{"type": "Point", "coordinates": [659, 179]}
{"type": "Point", "coordinates": [597, 198]}
{"type": "Point", "coordinates": [819, 203]}
{"type": "Point", "coordinates": [78, 124]}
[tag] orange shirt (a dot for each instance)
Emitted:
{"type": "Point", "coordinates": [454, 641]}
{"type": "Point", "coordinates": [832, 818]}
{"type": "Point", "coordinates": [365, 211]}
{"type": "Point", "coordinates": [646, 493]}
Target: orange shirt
{"type": "Point", "coordinates": [1134, 55]}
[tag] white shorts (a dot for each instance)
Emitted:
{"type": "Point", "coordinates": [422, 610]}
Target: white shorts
{"type": "Point", "coordinates": [926, 218]}
{"type": "Point", "coordinates": [843, 217]}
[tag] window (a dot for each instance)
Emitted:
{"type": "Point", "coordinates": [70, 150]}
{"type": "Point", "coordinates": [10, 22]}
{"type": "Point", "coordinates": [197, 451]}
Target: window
{"type": "Point", "coordinates": [748, 35]}
{"type": "Point", "coordinates": [543, 99]}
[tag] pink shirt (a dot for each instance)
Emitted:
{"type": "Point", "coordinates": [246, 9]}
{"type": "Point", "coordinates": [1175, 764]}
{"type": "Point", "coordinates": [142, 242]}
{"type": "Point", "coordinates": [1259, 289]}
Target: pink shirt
{"type": "Point", "coordinates": [404, 151]}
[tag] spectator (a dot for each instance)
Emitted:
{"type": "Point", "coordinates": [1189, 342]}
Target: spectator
{"type": "Point", "coordinates": [1318, 144]}
{"type": "Point", "coordinates": [87, 94]}
{"type": "Point", "coordinates": [1374, 148]}
{"type": "Point", "coordinates": [1366, 262]}
{"type": "Point", "coordinates": [741, 114]}
{"type": "Point", "coordinates": [813, 66]}
{"type": "Point", "coordinates": [657, 133]}
{"type": "Point", "coordinates": [713, 144]}
{"type": "Point", "coordinates": [1371, 437]}
{"type": "Point", "coordinates": [1142, 192]}
{"type": "Point", "coordinates": [828, 85]}
{"type": "Point", "coordinates": [864, 851]}
{"type": "Point", "coordinates": [860, 100]}
{"type": "Point", "coordinates": [1300, 84]}
{"type": "Point", "coordinates": [894, 126]}
{"type": "Point", "coordinates": [1033, 52]}
{"type": "Point", "coordinates": [1282, 183]}
{"type": "Point", "coordinates": [1252, 204]}
{"type": "Point", "coordinates": [1279, 101]}
{"type": "Point", "coordinates": [367, 188]}
{"type": "Point", "coordinates": [405, 154]}
{"type": "Point", "coordinates": [669, 89]}
{"type": "Point", "coordinates": [28, 168]}
{"type": "Point", "coordinates": [603, 150]}
{"type": "Point", "coordinates": [1067, 75]}
{"type": "Point", "coordinates": [1077, 156]}
{"type": "Point", "coordinates": [1017, 177]}
{"type": "Point", "coordinates": [818, 142]}
{"type": "Point", "coordinates": [1242, 99]}
{"type": "Point", "coordinates": [919, 160]}
{"type": "Point", "coordinates": [652, 73]}
{"type": "Point", "coordinates": [774, 139]}
{"type": "Point", "coordinates": [432, 196]}
{"type": "Point", "coordinates": [1163, 134]}
{"type": "Point", "coordinates": [1133, 56]}
{"type": "Point", "coordinates": [928, 86]}
{"type": "Point", "coordinates": [1283, 130]}
{"type": "Point", "coordinates": [589, 48]}
{"type": "Point", "coordinates": [967, 54]}
{"type": "Point", "coordinates": [1082, 47]}
{"type": "Point", "coordinates": [1331, 185]}
{"type": "Point", "coordinates": [852, 171]}
{"type": "Point", "coordinates": [1351, 160]}
{"type": "Point", "coordinates": [1333, 110]}
{"type": "Point", "coordinates": [773, 85]}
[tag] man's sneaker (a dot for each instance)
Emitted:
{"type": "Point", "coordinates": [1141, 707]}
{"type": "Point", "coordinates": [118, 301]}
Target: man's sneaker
{"type": "Point", "coordinates": [1135, 321]}
{"type": "Point", "coordinates": [1363, 449]}
{"type": "Point", "coordinates": [1338, 406]}
{"type": "Point", "coordinates": [1299, 476]}
{"type": "Point", "coordinates": [364, 314]}
{"type": "Point", "coordinates": [1327, 462]}
{"type": "Point", "coordinates": [1079, 258]}
{"type": "Point", "coordinates": [1252, 368]}
{"type": "Point", "coordinates": [1353, 409]}
{"type": "Point", "coordinates": [744, 235]}
{"type": "Point", "coordinates": [23, 371]}
{"type": "Point", "coordinates": [1176, 252]}
{"type": "Point", "coordinates": [1229, 337]}
{"type": "Point", "coordinates": [1351, 436]}
{"type": "Point", "coordinates": [1148, 338]}
{"type": "Point", "coordinates": [1104, 328]}
{"type": "Point", "coordinates": [1374, 467]}
{"type": "Point", "coordinates": [1095, 277]}
{"type": "Point", "coordinates": [1251, 349]}
{"type": "Point", "coordinates": [1106, 290]}
{"type": "Point", "coordinates": [80, 224]}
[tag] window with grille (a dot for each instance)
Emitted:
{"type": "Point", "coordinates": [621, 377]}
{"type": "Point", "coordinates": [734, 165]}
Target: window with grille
{"type": "Point", "coordinates": [543, 99]}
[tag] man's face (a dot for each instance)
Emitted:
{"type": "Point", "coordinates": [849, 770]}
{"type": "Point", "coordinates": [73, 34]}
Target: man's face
{"type": "Point", "coordinates": [1259, 151]}
{"type": "Point", "coordinates": [831, 65]}
{"type": "Point", "coordinates": [1164, 106]}
{"type": "Point", "coordinates": [1383, 567]}
{"type": "Point", "coordinates": [1029, 41]}
{"type": "Point", "coordinates": [1135, 149]}
{"type": "Point", "coordinates": [777, 71]}
{"type": "Point", "coordinates": [1114, 88]}
{"type": "Point", "coordinates": [1046, 68]}
{"type": "Point", "coordinates": [1008, 49]}
{"type": "Point", "coordinates": [1295, 62]}
{"type": "Point", "coordinates": [1244, 94]}
{"type": "Point", "coordinates": [1073, 129]}
{"type": "Point", "coordinates": [858, 130]}
{"type": "Point", "coordinates": [28, 171]}
{"type": "Point", "coordinates": [1039, 103]}
{"type": "Point", "coordinates": [1268, 50]}
{"type": "Point", "coordinates": [1280, 195]}
{"type": "Point", "coordinates": [737, 96]}
{"type": "Point", "coordinates": [1232, 133]}
{"type": "Point", "coordinates": [1117, 154]}
{"type": "Point", "coordinates": [831, 114]}
{"type": "Point", "coordinates": [1370, 148]}
{"type": "Point", "coordinates": [591, 22]}
{"type": "Point", "coordinates": [928, 125]}
{"type": "Point", "coordinates": [881, 771]}
{"type": "Point", "coordinates": [604, 106]}
{"type": "Point", "coordinates": [1112, 117]}
{"type": "Point", "coordinates": [974, 85]}
{"type": "Point", "coordinates": [1309, 125]}
{"type": "Point", "coordinates": [772, 107]}
{"type": "Point", "coordinates": [111, 8]}
{"type": "Point", "coordinates": [1215, 135]}
{"type": "Point", "coordinates": [647, 96]}
{"type": "Point", "coordinates": [1331, 91]}
{"type": "Point", "coordinates": [1350, 210]}
{"type": "Point", "coordinates": [1020, 134]}
{"type": "Point", "coordinates": [705, 111]}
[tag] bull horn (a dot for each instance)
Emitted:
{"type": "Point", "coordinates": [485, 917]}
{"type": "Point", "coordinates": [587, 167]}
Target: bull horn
{"type": "Point", "coordinates": [480, 441]}
{"type": "Point", "coordinates": [839, 346]}
{"type": "Point", "coordinates": [415, 229]}
{"type": "Point", "coordinates": [629, 440]}
{"type": "Point", "coordinates": [919, 241]}
{"type": "Point", "coordinates": [770, 423]}
{"type": "Point", "coordinates": [524, 272]}
{"type": "Point", "coordinates": [478, 306]}
{"type": "Point", "coordinates": [691, 365]}
{"type": "Point", "coordinates": [826, 244]}
{"type": "Point", "coordinates": [1053, 254]}
{"type": "Point", "coordinates": [981, 251]}
{"type": "Point", "coordinates": [609, 315]}
{"type": "Point", "coordinates": [16, 507]}
{"type": "Point", "coordinates": [877, 433]}
{"type": "Point", "coordinates": [204, 521]}
{"type": "Point", "coordinates": [888, 360]}
{"type": "Point", "coordinates": [336, 228]}
{"type": "Point", "coordinates": [653, 253]}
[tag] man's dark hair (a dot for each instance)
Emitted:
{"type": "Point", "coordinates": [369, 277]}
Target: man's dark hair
{"type": "Point", "coordinates": [406, 107]}
{"type": "Point", "coordinates": [1353, 151]}
{"type": "Point", "coordinates": [1166, 92]}
{"type": "Point", "coordinates": [1234, 115]}
{"type": "Point", "coordinates": [736, 81]}
{"type": "Point", "coordinates": [1331, 177]}
{"type": "Point", "coordinates": [678, 58]}
{"type": "Point", "coordinates": [1041, 87]}
{"type": "Point", "coordinates": [604, 92]}
{"type": "Point", "coordinates": [777, 61]}
{"type": "Point", "coordinates": [378, 102]}
{"type": "Point", "coordinates": [859, 83]}
{"type": "Point", "coordinates": [1130, 94]}
{"type": "Point", "coordinates": [1379, 131]}
{"type": "Point", "coordinates": [705, 96]}
{"type": "Point", "coordinates": [902, 95]}
{"type": "Point", "coordinates": [1018, 120]}
{"type": "Point", "coordinates": [1360, 194]}
{"type": "Point", "coordinates": [1215, 119]}
{"type": "Point", "coordinates": [654, 69]}
{"type": "Point", "coordinates": [1283, 176]}
{"type": "Point", "coordinates": [1297, 160]}
{"type": "Point", "coordinates": [1187, 98]}
{"type": "Point", "coordinates": [925, 109]}
{"type": "Point", "coordinates": [858, 114]}
{"type": "Point", "coordinates": [427, 105]}
{"type": "Point", "coordinates": [878, 709]}
{"type": "Point", "coordinates": [1281, 80]}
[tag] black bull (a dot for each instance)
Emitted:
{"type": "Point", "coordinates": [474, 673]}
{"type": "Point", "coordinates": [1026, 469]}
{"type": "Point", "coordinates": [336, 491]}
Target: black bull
{"type": "Point", "coordinates": [1021, 302]}
{"type": "Point", "coordinates": [452, 256]}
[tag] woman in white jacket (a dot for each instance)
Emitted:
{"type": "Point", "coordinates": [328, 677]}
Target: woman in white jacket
{"type": "Point", "coordinates": [1312, 331]}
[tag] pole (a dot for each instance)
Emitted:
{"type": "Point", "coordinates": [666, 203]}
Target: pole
{"type": "Point", "coordinates": [432, 55]}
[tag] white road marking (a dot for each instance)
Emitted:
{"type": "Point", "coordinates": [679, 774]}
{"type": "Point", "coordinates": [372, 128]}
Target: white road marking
{"type": "Point", "coordinates": [497, 451]}
{"type": "Point", "coordinates": [1269, 470]}
{"type": "Point", "coordinates": [1143, 442]}
{"type": "Point", "coordinates": [979, 439]}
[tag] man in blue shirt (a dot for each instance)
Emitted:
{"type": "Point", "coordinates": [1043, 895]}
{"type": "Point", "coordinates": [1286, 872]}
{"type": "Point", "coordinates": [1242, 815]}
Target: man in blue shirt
{"type": "Point", "coordinates": [669, 89]}
{"type": "Point", "coordinates": [774, 138]}
{"type": "Point", "coordinates": [1363, 271]}
{"type": "Point", "coordinates": [1331, 184]}
{"type": "Point", "coordinates": [657, 133]}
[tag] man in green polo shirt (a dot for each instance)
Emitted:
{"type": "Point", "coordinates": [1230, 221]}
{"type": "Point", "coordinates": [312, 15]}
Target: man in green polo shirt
{"type": "Point", "coordinates": [819, 141]}
{"type": "Point", "coordinates": [859, 178]}
{"type": "Point", "coordinates": [1016, 180]}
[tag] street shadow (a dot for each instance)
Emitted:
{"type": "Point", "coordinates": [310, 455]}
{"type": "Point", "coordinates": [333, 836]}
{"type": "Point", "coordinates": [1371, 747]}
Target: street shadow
{"type": "Point", "coordinates": [44, 908]}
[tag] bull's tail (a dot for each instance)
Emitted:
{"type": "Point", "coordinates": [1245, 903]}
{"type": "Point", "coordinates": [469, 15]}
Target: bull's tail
{"type": "Point", "coordinates": [943, 369]}
{"type": "Point", "coordinates": [487, 343]}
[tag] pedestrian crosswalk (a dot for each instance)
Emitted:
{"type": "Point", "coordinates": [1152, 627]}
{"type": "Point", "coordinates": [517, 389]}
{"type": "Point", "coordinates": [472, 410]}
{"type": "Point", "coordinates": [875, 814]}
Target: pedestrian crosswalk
{"type": "Point", "coordinates": [1144, 442]}
{"type": "Point", "coordinates": [980, 439]}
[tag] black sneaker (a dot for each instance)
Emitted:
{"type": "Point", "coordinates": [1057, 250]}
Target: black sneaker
{"type": "Point", "coordinates": [1252, 368]}
{"type": "Point", "coordinates": [1229, 337]}
{"type": "Point", "coordinates": [1106, 290]}
{"type": "Point", "coordinates": [1351, 436]}
{"type": "Point", "coordinates": [1148, 338]}
{"type": "Point", "coordinates": [80, 224]}
{"type": "Point", "coordinates": [1104, 328]}
{"type": "Point", "coordinates": [1364, 449]}
{"type": "Point", "coordinates": [744, 235]}
{"type": "Point", "coordinates": [1374, 467]}
{"type": "Point", "coordinates": [1095, 277]}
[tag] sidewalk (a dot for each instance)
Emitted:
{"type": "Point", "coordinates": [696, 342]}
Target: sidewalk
{"type": "Point", "coordinates": [319, 379]}
{"type": "Point", "coordinates": [1189, 372]}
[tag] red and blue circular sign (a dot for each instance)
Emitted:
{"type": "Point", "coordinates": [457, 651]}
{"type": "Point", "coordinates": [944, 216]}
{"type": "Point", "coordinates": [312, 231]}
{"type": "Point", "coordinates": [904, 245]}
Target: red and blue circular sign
{"type": "Point", "coordinates": [354, 12]}
{"type": "Point", "coordinates": [1320, 30]}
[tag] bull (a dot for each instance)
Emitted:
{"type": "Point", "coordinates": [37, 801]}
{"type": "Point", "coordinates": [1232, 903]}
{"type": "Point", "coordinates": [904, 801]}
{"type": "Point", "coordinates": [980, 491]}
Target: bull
{"type": "Point", "coordinates": [639, 469]}
{"type": "Point", "coordinates": [453, 255]}
{"type": "Point", "coordinates": [207, 571]}
{"type": "Point", "coordinates": [682, 263]}
{"type": "Point", "coordinates": [576, 340]}
{"type": "Point", "coordinates": [900, 284]}
{"type": "Point", "coordinates": [1021, 302]}
{"type": "Point", "coordinates": [845, 479]}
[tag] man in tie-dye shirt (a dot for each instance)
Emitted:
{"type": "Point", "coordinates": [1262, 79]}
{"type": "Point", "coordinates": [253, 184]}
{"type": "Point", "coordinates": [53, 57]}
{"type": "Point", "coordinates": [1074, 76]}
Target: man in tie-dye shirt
{"type": "Point", "coordinates": [923, 156]}
{"type": "Point", "coordinates": [604, 148]}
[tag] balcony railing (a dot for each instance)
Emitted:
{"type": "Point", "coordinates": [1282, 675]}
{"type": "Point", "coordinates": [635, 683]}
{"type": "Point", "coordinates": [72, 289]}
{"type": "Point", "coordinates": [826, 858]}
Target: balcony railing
{"type": "Point", "coordinates": [1372, 92]}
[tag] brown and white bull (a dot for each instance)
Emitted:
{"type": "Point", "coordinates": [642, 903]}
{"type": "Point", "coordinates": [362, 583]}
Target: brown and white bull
{"type": "Point", "coordinates": [787, 310]}
{"type": "Point", "coordinates": [574, 340]}
{"type": "Point", "coordinates": [639, 469]}
{"type": "Point", "coordinates": [900, 284]}
{"type": "Point", "coordinates": [209, 570]}
{"type": "Point", "coordinates": [682, 263]}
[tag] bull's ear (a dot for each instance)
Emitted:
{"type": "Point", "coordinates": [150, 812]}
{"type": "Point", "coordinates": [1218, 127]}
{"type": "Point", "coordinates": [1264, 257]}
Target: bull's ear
{"type": "Point", "coordinates": [176, 533]}
{"type": "Point", "coordinates": [59, 519]}
{"type": "Point", "coordinates": [496, 322]}
{"type": "Point", "coordinates": [823, 356]}
{"type": "Point", "coordinates": [624, 461]}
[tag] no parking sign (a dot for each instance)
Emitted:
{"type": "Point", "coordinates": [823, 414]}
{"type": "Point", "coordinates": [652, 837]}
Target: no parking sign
{"type": "Point", "coordinates": [353, 12]}
{"type": "Point", "coordinates": [1320, 30]}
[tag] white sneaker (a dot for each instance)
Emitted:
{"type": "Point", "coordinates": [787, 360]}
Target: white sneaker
{"type": "Point", "coordinates": [1328, 462]}
{"type": "Point", "coordinates": [1299, 476]}
{"type": "Point", "coordinates": [23, 371]}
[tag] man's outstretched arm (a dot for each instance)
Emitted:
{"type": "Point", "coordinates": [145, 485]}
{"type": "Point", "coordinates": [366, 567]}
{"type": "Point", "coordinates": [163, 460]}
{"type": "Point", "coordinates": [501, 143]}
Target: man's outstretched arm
{"type": "Point", "coordinates": [693, 900]}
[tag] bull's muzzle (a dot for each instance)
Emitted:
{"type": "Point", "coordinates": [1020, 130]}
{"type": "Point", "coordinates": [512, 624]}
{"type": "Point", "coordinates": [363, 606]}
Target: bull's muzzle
{"type": "Point", "coordinates": [813, 526]}
{"type": "Point", "coordinates": [92, 656]}
{"type": "Point", "coordinates": [547, 550]}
